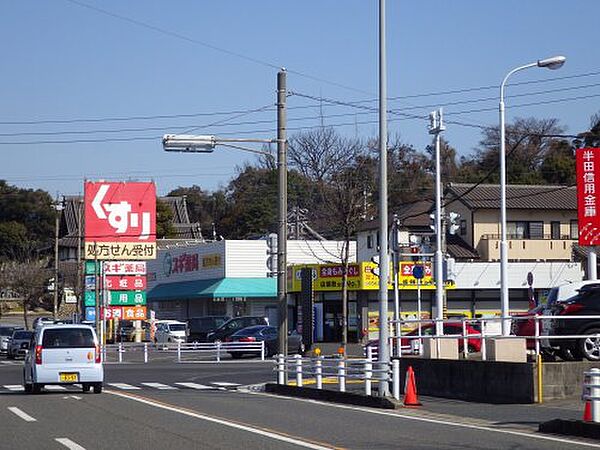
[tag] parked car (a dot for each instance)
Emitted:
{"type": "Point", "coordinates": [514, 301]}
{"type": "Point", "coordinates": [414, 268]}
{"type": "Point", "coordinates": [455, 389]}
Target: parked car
{"type": "Point", "coordinates": [170, 331]}
{"type": "Point", "coordinates": [200, 327]}
{"type": "Point", "coordinates": [63, 354]}
{"type": "Point", "coordinates": [585, 303]}
{"type": "Point", "coordinates": [269, 335]}
{"type": "Point", "coordinates": [19, 343]}
{"type": "Point", "coordinates": [450, 329]}
{"type": "Point", "coordinates": [523, 324]}
{"type": "Point", "coordinates": [233, 325]}
{"type": "Point", "coordinates": [6, 332]}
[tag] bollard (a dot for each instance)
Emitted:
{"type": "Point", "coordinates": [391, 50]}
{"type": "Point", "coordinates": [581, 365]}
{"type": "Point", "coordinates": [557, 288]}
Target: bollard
{"type": "Point", "coordinates": [595, 394]}
{"type": "Point", "coordinates": [368, 371]}
{"type": "Point", "coordinates": [396, 378]}
{"type": "Point", "coordinates": [179, 352]}
{"type": "Point", "coordinates": [298, 370]}
{"type": "Point", "coordinates": [120, 350]}
{"type": "Point", "coordinates": [319, 372]}
{"type": "Point", "coordinates": [280, 370]}
{"type": "Point", "coordinates": [218, 351]}
{"type": "Point", "coordinates": [145, 352]}
{"type": "Point", "coordinates": [342, 375]}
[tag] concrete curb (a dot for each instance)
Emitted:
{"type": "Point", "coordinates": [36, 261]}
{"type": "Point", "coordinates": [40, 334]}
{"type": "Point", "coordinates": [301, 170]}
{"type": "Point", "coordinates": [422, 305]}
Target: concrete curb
{"type": "Point", "coordinates": [571, 428]}
{"type": "Point", "coordinates": [347, 398]}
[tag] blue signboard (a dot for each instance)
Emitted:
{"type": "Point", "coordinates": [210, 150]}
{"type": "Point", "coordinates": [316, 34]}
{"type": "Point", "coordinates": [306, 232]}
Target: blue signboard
{"type": "Point", "coordinates": [418, 271]}
{"type": "Point", "coordinates": [90, 314]}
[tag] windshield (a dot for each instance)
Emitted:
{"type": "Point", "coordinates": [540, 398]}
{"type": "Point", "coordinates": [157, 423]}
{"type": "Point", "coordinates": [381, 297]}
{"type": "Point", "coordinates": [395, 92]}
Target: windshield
{"type": "Point", "coordinates": [6, 331]}
{"type": "Point", "coordinates": [67, 338]}
{"type": "Point", "coordinates": [22, 335]}
{"type": "Point", "coordinates": [177, 327]}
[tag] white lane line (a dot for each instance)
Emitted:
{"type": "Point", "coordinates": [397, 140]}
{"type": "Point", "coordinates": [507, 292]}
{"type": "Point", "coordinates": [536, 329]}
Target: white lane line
{"type": "Point", "coordinates": [54, 387]}
{"type": "Point", "coordinates": [429, 420]}
{"type": "Point", "coordinates": [23, 415]}
{"type": "Point", "coordinates": [195, 386]}
{"type": "Point", "coordinates": [69, 444]}
{"type": "Point", "coordinates": [125, 386]}
{"type": "Point", "coordinates": [269, 434]}
{"type": "Point", "coordinates": [13, 387]}
{"type": "Point", "coordinates": [159, 386]}
{"type": "Point", "coordinates": [224, 383]}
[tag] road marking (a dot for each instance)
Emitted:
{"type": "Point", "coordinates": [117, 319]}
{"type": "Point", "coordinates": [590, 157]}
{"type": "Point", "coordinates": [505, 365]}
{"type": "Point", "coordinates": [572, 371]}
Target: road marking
{"type": "Point", "coordinates": [429, 420]}
{"type": "Point", "coordinates": [53, 387]}
{"type": "Point", "coordinates": [159, 386]}
{"type": "Point", "coordinates": [195, 386]}
{"type": "Point", "coordinates": [125, 386]}
{"type": "Point", "coordinates": [69, 444]}
{"type": "Point", "coordinates": [13, 387]}
{"type": "Point", "coordinates": [224, 383]}
{"type": "Point", "coordinates": [23, 415]}
{"type": "Point", "coordinates": [300, 442]}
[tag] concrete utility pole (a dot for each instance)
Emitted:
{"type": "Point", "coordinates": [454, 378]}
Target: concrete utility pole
{"type": "Point", "coordinates": [58, 208]}
{"type": "Point", "coordinates": [384, 265]}
{"type": "Point", "coordinates": [436, 126]}
{"type": "Point", "coordinates": [282, 208]}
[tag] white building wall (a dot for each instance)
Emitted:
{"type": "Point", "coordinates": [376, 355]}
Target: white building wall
{"type": "Point", "coordinates": [318, 252]}
{"type": "Point", "coordinates": [246, 259]}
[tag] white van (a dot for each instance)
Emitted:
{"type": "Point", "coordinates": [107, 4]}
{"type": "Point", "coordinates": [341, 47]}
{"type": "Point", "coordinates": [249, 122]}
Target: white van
{"type": "Point", "coordinates": [170, 331]}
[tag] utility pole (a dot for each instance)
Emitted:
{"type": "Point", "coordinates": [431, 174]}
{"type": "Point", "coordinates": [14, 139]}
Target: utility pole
{"type": "Point", "coordinates": [282, 208]}
{"type": "Point", "coordinates": [58, 208]}
{"type": "Point", "coordinates": [436, 126]}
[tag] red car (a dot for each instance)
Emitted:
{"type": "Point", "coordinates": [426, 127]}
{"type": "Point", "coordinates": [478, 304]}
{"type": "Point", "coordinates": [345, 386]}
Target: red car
{"type": "Point", "coordinates": [450, 329]}
{"type": "Point", "coordinates": [523, 324]}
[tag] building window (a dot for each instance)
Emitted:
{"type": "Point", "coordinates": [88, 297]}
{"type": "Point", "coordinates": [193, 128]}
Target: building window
{"type": "Point", "coordinates": [463, 227]}
{"type": "Point", "coordinates": [536, 230]}
{"type": "Point", "coordinates": [525, 230]}
{"type": "Point", "coordinates": [555, 230]}
{"type": "Point", "coordinates": [370, 241]}
{"type": "Point", "coordinates": [574, 227]}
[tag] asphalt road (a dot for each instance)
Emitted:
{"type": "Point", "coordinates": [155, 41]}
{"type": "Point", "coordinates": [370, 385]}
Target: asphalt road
{"type": "Point", "coordinates": [179, 406]}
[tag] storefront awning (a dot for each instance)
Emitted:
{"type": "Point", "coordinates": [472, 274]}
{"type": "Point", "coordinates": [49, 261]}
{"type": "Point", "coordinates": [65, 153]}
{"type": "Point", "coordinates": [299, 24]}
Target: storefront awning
{"type": "Point", "coordinates": [219, 288]}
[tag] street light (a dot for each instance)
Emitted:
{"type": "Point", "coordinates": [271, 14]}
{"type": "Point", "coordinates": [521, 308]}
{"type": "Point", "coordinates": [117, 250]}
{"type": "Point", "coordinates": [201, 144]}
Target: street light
{"type": "Point", "coordinates": [552, 63]}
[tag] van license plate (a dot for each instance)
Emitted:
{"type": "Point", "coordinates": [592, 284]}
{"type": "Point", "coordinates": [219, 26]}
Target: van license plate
{"type": "Point", "coordinates": [69, 377]}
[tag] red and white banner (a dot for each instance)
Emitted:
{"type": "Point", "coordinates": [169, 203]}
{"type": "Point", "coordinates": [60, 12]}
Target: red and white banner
{"type": "Point", "coordinates": [125, 283]}
{"type": "Point", "coordinates": [587, 162]}
{"type": "Point", "coordinates": [120, 220]}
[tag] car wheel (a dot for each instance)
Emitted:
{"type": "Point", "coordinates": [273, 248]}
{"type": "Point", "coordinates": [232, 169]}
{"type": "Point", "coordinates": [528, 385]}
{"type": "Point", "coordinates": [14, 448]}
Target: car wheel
{"type": "Point", "coordinates": [85, 387]}
{"type": "Point", "coordinates": [36, 388]}
{"type": "Point", "coordinates": [589, 347]}
{"type": "Point", "coordinates": [97, 388]}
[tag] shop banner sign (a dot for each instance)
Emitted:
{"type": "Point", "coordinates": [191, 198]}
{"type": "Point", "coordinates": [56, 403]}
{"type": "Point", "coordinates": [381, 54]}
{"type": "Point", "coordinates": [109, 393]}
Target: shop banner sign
{"type": "Point", "coordinates": [127, 298]}
{"type": "Point", "coordinates": [134, 313]}
{"type": "Point", "coordinates": [587, 162]}
{"type": "Point", "coordinates": [125, 283]}
{"type": "Point", "coordinates": [125, 268]}
{"type": "Point", "coordinates": [120, 220]}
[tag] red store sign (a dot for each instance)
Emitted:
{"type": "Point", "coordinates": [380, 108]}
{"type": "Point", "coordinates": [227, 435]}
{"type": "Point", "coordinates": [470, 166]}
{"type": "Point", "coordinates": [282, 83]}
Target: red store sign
{"type": "Point", "coordinates": [125, 283]}
{"type": "Point", "coordinates": [587, 162]}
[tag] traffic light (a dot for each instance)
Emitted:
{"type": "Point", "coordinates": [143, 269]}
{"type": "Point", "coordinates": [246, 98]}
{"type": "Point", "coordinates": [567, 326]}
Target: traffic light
{"type": "Point", "coordinates": [453, 225]}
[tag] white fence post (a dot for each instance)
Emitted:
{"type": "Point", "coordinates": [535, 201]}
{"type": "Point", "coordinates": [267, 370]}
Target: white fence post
{"type": "Point", "coordinates": [179, 352]}
{"type": "Point", "coordinates": [396, 378]}
{"type": "Point", "coordinates": [342, 375]}
{"type": "Point", "coordinates": [368, 370]}
{"type": "Point", "coordinates": [262, 350]}
{"type": "Point", "coordinates": [218, 351]}
{"type": "Point", "coordinates": [298, 370]}
{"type": "Point", "coordinates": [537, 335]}
{"type": "Point", "coordinates": [120, 350]}
{"type": "Point", "coordinates": [465, 339]}
{"type": "Point", "coordinates": [483, 346]}
{"type": "Point", "coordinates": [145, 352]}
{"type": "Point", "coordinates": [280, 369]}
{"type": "Point", "coordinates": [319, 372]}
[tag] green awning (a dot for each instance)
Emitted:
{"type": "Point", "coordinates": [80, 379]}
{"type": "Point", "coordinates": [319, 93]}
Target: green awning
{"type": "Point", "coordinates": [218, 288]}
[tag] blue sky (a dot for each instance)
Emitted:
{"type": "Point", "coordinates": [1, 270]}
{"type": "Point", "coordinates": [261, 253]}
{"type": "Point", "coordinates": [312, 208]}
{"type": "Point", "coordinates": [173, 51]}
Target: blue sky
{"type": "Point", "coordinates": [201, 64]}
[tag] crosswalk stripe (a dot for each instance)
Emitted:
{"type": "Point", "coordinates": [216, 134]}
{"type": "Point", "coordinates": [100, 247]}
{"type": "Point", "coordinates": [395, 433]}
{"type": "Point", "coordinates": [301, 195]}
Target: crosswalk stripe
{"type": "Point", "coordinates": [224, 383]}
{"type": "Point", "coordinates": [195, 386]}
{"type": "Point", "coordinates": [13, 387]}
{"type": "Point", "coordinates": [159, 386]}
{"type": "Point", "coordinates": [51, 387]}
{"type": "Point", "coordinates": [124, 386]}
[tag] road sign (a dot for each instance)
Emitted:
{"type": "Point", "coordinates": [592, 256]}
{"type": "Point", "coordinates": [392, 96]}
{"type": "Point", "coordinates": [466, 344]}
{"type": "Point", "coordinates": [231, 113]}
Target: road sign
{"type": "Point", "coordinates": [418, 271]}
{"type": "Point", "coordinates": [120, 220]}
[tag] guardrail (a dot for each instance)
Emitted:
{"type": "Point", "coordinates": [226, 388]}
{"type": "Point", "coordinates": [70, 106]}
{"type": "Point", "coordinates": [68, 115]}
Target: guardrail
{"type": "Point", "coordinates": [120, 351]}
{"type": "Point", "coordinates": [319, 368]}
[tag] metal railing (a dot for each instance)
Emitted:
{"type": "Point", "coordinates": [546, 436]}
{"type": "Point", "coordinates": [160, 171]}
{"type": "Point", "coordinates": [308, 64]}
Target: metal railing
{"type": "Point", "coordinates": [142, 352]}
{"type": "Point", "coordinates": [340, 370]}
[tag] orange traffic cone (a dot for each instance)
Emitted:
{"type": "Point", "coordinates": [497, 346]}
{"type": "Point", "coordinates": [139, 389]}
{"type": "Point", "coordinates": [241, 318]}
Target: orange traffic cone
{"type": "Point", "coordinates": [587, 412]}
{"type": "Point", "coordinates": [410, 389]}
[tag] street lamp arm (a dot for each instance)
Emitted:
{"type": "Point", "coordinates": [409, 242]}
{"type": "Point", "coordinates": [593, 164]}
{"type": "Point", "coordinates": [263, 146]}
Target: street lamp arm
{"type": "Point", "coordinates": [516, 69]}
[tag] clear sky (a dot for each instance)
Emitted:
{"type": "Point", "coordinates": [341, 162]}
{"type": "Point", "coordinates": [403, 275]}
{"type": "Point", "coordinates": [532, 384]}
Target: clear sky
{"type": "Point", "coordinates": [68, 71]}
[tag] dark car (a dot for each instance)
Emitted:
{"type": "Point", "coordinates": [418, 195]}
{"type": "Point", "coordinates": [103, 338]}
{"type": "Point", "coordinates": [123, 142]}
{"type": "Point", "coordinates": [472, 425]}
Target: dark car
{"type": "Point", "coordinates": [6, 332]}
{"type": "Point", "coordinates": [269, 335]}
{"type": "Point", "coordinates": [200, 327]}
{"type": "Point", "coordinates": [233, 325]}
{"type": "Point", "coordinates": [19, 343]}
{"type": "Point", "coordinates": [585, 303]}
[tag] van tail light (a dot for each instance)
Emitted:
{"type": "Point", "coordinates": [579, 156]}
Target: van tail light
{"type": "Point", "coordinates": [248, 339]}
{"type": "Point", "coordinates": [572, 308]}
{"type": "Point", "coordinates": [98, 354]}
{"type": "Point", "coordinates": [38, 354]}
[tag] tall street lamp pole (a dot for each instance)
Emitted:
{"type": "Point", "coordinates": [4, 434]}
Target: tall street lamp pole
{"type": "Point", "coordinates": [550, 63]}
{"type": "Point", "coordinates": [58, 207]}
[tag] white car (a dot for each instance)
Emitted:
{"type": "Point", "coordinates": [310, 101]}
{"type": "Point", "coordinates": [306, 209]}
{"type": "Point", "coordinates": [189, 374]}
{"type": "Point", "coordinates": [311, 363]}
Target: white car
{"type": "Point", "coordinates": [170, 331]}
{"type": "Point", "coordinates": [63, 354]}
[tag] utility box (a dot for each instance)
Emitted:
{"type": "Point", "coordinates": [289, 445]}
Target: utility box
{"type": "Point", "coordinates": [506, 350]}
{"type": "Point", "coordinates": [439, 348]}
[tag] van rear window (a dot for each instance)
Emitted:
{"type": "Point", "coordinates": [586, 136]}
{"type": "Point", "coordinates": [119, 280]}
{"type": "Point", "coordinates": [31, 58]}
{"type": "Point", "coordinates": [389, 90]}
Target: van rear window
{"type": "Point", "coordinates": [67, 338]}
